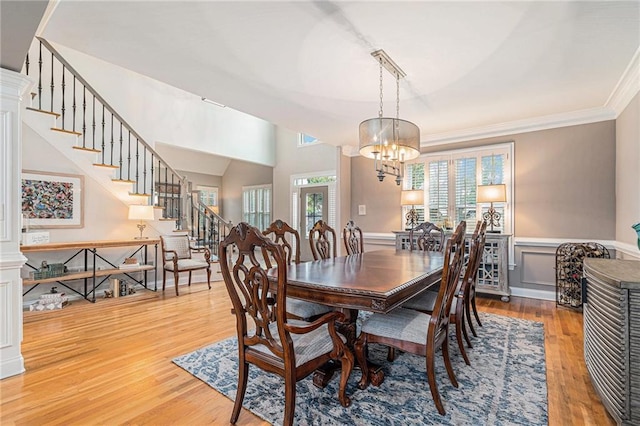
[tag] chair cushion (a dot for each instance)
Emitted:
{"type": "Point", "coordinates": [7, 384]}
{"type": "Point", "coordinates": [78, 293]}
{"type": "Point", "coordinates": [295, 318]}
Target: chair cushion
{"type": "Point", "coordinates": [187, 264]}
{"type": "Point", "coordinates": [426, 301]}
{"type": "Point", "coordinates": [306, 346]}
{"type": "Point", "coordinates": [305, 309]}
{"type": "Point", "coordinates": [401, 324]}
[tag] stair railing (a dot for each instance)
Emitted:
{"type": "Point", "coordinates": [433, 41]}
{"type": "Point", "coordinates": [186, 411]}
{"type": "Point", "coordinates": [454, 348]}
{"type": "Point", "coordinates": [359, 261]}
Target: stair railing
{"type": "Point", "coordinates": [205, 226]}
{"type": "Point", "coordinates": [101, 130]}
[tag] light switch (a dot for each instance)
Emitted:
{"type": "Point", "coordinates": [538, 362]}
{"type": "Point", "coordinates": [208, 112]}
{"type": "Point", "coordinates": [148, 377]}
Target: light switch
{"type": "Point", "coordinates": [362, 210]}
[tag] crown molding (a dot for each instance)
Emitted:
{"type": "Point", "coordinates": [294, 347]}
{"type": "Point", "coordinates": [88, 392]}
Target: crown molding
{"type": "Point", "coordinates": [573, 118]}
{"type": "Point", "coordinates": [628, 86]}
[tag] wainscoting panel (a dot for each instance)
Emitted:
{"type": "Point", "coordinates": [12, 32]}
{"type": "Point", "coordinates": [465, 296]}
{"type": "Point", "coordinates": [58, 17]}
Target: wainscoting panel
{"type": "Point", "coordinates": [537, 267]}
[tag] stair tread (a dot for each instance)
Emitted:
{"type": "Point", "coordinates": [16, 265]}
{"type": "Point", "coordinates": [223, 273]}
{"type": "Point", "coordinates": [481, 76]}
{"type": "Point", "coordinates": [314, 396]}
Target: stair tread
{"type": "Point", "coordinates": [82, 148]}
{"type": "Point", "coordinates": [43, 111]}
{"type": "Point", "coordinates": [124, 181]}
{"type": "Point", "coordinates": [71, 132]}
{"type": "Point", "coordinates": [109, 166]}
{"type": "Point", "coordinates": [139, 194]}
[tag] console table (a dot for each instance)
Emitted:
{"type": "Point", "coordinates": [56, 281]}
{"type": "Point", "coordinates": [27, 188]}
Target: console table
{"type": "Point", "coordinates": [92, 261]}
{"type": "Point", "coordinates": [493, 273]}
{"type": "Point", "coordinates": [612, 335]}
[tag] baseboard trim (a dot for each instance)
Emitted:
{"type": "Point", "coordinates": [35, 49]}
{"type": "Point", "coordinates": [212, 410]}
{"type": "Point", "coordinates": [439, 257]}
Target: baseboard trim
{"type": "Point", "coordinates": [533, 294]}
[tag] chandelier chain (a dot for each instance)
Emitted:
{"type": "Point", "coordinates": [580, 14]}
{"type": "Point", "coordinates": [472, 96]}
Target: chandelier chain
{"type": "Point", "coordinates": [397, 96]}
{"type": "Point", "coordinates": [380, 112]}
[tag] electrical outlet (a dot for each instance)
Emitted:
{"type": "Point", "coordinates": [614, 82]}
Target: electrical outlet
{"type": "Point", "coordinates": [362, 210]}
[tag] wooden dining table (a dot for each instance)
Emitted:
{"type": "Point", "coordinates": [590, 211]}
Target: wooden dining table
{"type": "Point", "coordinates": [375, 281]}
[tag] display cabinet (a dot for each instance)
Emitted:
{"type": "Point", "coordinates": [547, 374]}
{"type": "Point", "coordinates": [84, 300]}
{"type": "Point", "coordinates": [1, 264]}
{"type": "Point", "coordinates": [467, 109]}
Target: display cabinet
{"type": "Point", "coordinates": [493, 273]}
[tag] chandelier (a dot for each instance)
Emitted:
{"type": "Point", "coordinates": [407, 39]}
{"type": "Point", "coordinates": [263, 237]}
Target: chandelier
{"type": "Point", "coordinates": [389, 141]}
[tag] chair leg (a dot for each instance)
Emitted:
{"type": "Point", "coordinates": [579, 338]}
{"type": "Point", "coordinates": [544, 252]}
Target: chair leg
{"type": "Point", "coordinates": [475, 310]}
{"type": "Point", "coordinates": [447, 363]}
{"type": "Point", "coordinates": [467, 309]}
{"type": "Point", "coordinates": [464, 331]}
{"type": "Point", "coordinates": [289, 397]}
{"type": "Point", "coordinates": [391, 354]}
{"type": "Point", "coordinates": [458, 322]}
{"type": "Point", "coordinates": [209, 277]}
{"type": "Point", "coordinates": [189, 278]}
{"type": "Point", "coordinates": [243, 375]}
{"type": "Point", "coordinates": [164, 278]}
{"type": "Point", "coordinates": [359, 348]}
{"type": "Point", "coordinates": [431, 378]}
{"type": "Point", "coordinates": [175, 280]}
{"type": "Point", "coordinates": [347, 365]}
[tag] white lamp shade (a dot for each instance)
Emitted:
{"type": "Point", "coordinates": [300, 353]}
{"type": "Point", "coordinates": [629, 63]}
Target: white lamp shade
{"type": "Point", "coordinates": [492, 193]}
{"type": "Point", "coordinates": [140, 212]}
{"type": "Point", "coordinates": [415, 197]}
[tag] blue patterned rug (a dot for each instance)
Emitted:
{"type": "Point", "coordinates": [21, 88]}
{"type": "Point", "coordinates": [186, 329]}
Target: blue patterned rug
{"type": "Point", "coordinates": [505, 384]}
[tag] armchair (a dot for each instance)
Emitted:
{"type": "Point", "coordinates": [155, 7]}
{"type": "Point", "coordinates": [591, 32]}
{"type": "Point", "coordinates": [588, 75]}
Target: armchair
{"type": "Point", "coordinates": [177, 256]}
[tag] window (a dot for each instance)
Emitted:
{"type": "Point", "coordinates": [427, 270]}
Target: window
{"type": "Point", "coordinates": [414, 179]}
{"type": "Point", "coordinates": [256, 205]}
{"type": "Point", "coordinates": [304, 139]}
{"type": "Point", "coordinates": [208, 195]}
{"type": "Point", "coordinates": [451, 180]}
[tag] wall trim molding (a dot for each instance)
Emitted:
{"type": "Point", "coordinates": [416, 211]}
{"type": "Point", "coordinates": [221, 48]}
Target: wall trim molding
{"type": "Point", "coordinates": [555, 242]}
{"type": "Point", "coordinates": [627, 87]}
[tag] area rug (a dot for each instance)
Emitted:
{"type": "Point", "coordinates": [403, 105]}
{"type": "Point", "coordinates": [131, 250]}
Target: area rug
{"type": "Point", "coordinates": [505, 384]}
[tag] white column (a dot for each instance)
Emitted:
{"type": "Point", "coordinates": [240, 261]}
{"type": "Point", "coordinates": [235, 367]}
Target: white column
{"type": "Point", "coordinates": [12, 87]}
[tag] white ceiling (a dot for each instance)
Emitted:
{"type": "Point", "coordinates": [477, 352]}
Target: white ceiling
{"type": "Point", "coordinates": [306, 65]}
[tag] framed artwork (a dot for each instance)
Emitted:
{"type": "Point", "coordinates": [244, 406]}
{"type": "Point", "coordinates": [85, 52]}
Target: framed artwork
{"type": "Point", "coordinates": [52, 200]}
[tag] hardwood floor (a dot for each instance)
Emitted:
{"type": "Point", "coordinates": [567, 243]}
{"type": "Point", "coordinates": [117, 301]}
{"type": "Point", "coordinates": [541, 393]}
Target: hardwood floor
{"type": "Point", "coordinates": [110, 362]}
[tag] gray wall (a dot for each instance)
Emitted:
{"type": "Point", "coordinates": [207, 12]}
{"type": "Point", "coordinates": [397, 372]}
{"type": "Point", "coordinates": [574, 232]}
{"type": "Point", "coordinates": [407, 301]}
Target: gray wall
{"type": "Point", "coordinates": [564, 184]}
{"type": "Point", "coordinates": [292, 160]}
{"type": "Point", "coordinates": [237, 175]}
{"type": "Point", "coordinates": [628, 172]}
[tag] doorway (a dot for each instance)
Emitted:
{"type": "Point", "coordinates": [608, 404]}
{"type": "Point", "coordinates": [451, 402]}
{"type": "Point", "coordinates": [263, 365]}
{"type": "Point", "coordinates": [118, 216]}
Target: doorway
{"type": "Point", "coordinates": [314, 206]}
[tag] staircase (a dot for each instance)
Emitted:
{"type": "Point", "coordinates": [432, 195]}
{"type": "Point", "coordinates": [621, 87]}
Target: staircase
{"type": "Point", "coordinates": [104, 146]}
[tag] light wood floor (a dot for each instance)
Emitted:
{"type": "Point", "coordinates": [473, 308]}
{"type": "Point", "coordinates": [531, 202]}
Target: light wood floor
{"type": "Point", "coordinates": [110, 362]}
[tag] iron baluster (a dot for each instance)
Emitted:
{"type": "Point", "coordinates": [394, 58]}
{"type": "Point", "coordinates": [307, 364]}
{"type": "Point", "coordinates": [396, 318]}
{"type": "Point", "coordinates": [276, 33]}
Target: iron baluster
{"type": "Point", "coordinates": [120, 161]}
{"type": "Point", "coordinates": [84, 117]}
{"type": "Point", "coordinates": [112, 144]}
{"type": "Point", "coordinates": [63, 86]}
{"type": "Point", "coordinates": [52, 86]}
{"type": "Point", "coordinates": [129, 158]}
{"type": "Point", "coordinates": [102, 145]}
{"type": "Point", "coordinates": [40, 78]}
{"type": "Point", "coordinates": [93, 123]}
{"type": "Point", "coordinates": [137, 166]}
{"type": "Point", "coordinates": [73, 107]}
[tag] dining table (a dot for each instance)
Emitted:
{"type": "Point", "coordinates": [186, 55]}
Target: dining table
{"type": "Point", "coordinates": [374, 281]}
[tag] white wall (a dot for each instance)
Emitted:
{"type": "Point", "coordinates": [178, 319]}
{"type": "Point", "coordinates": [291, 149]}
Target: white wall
{"type": "Point", "coordinates": [162, 113]}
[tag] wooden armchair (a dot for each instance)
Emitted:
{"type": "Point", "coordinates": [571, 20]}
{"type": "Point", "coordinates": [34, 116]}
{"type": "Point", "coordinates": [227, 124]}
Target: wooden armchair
{"type": "Point", "coordinates": [177, 256]}
{"type": "Point", "coordinates": [429, 237]}
{"type": "Point", "coordinates": [416, 332]}
{"type": "Point", "coordinates": [289, 239]}
{"type": "Point", "coordinates": [322, 238]}
{"type": "Point", "coordinates": [266, 337]}
{"type": "Point", "coordinates": [352, 237]}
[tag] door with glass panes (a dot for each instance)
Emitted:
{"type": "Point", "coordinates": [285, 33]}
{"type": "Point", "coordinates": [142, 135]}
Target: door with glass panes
{"type": "Point", "coordinates": [314, 206]}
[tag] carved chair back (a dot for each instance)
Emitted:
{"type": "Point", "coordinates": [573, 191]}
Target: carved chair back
{"type": "Point", "coordinates": [428, 237]}
{"type": "Point", "coordinates": [322, 238]}
{"type": "Point", "coordinates": [352, 237]}
{"type": "Point", "coordinates": [287, 237]}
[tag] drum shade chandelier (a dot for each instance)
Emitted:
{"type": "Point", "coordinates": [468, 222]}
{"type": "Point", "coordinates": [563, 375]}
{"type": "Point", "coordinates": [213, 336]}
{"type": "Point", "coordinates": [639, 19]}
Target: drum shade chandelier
{"type": "Point", "coordinates": [389, 141]}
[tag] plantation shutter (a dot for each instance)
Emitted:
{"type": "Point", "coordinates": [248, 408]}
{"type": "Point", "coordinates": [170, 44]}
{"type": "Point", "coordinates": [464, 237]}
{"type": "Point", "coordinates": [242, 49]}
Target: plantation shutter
{"type": "Point", "coordinates": [438, 191]}
{"type": "Point", "coordinates": [465, 189]}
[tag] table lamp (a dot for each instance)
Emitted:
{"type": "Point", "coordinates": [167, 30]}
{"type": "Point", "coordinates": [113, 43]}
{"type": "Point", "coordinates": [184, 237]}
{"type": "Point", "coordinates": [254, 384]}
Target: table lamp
{"type": "Point", "coordinates": [141, 212]}
{"type": "Point", "coordinates": [493, 193]}
{"type": "Point", "coordinates": [413, 197]}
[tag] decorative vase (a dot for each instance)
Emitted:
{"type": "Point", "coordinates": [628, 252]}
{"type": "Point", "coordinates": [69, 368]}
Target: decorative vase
{"type": "Point", "coordinates": [637, 228]}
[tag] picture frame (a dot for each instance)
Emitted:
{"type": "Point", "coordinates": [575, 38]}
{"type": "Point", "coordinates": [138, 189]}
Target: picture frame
{"type": "Point", "coordinates": [52, 200]}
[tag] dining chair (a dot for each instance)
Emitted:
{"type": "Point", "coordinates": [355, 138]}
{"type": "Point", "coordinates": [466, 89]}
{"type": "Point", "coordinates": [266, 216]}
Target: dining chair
{"type": "Point", "coordinates": [266, 337]}
{"type": "Point", "coordinates": [352, 237]}
{"type": "Point", "coordinates": [416, 332]}
{"type": "Point", "coordinates": [470, 300]}
{"type": "Point", "coordinates": [289, 239]}
{"type": "Point", "coordinates": [178, 256]}
{"type": "Point", "coordinates": [428, 237]}
{"type": "Point", "coordinates": [322, 238]}
{"type": "Point", "coordinates": [426, 301]}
